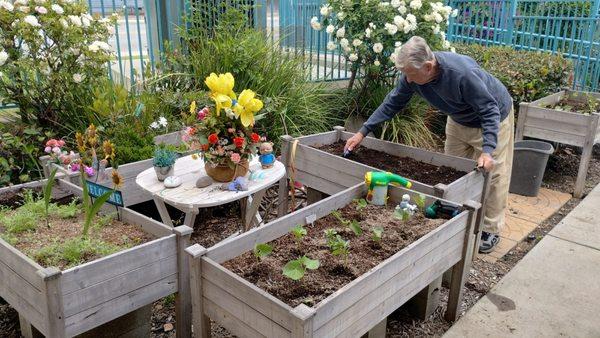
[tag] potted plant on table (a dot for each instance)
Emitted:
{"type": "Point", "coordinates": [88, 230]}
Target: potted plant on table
{"type": "Point", "coordinates": [164, 161]}
{"type": "Point", "coordinates": [222, 131]}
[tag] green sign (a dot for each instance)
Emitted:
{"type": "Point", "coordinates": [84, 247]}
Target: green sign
{"type": "Point", "coordinates": [97, 190]}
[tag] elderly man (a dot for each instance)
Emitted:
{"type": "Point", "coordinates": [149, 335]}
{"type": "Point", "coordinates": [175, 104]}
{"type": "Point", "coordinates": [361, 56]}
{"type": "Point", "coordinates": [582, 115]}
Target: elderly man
{"type": "Point", "coordinates": [480, 123]}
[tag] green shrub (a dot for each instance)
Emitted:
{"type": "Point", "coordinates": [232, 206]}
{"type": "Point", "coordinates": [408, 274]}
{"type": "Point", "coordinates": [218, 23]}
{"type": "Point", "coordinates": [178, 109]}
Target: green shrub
{"type": "Point", "coordinates": [20, 146]}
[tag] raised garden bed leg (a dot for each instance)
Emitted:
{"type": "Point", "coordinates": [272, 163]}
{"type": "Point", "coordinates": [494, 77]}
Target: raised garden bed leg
{"type": "Point", "coordinates": [426, 301]}
{"type": "Point", "coordinates": [302, 326]}
{"type": "Point", "coordinates": [586, 155]}
{"type": "Point", "coordinates": [284, 191]}
{"type": "Point", "coordinates": [53, 290]}
{"type": "Point", "coordinates": [28, 330]}
{"type": "Point", "coordinates": [200, 322]}
{"type": "Point", "coordinates": [461, 269]}
{"type": "Point", "coordinates": [183, 300]}
{"type": "Point", "coordinates": [250, 207]}
{"type": "Point", "coordinates": [378, 331]}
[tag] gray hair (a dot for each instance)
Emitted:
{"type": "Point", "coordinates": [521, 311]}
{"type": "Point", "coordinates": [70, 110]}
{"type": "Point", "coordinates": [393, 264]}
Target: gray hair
{"type": "Point", "coordinates": [414, 52]}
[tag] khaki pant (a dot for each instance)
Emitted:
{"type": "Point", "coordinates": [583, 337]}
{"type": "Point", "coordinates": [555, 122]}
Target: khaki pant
{"type": "Point", "coordinates": [467, 142]}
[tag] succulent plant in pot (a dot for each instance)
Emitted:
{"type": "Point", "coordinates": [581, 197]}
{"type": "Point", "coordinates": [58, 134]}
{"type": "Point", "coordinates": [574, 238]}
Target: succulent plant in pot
{"type": "Point", "coordinates": [164, 161]}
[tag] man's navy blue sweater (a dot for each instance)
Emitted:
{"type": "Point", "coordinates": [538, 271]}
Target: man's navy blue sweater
{"type": "Point", "coordinates": [468, 94]}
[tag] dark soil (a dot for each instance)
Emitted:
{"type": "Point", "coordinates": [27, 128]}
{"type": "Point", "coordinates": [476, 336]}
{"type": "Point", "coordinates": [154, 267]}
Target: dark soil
{"type": "Point", "coordinates": [581, 106]}
{"type": "Point", "coordinates": [403, 166]}
{"type": "Point", "coordinates": [13, 199]}
{"type": "Point", "coordinates": [334, 272]}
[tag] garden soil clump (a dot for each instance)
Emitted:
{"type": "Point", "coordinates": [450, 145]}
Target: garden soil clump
{"type": "Point", "coordinates": [404, 166]}
{"type": "Point", "coordinates": [334, 271]}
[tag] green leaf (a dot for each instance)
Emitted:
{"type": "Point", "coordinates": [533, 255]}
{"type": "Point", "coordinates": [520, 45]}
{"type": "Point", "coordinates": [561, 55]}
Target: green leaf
{"type": "Point", "coordinates": [420, 201]}
{"type": "Point", "coordinates": [405, 215]}
{"type": "Point", "coordinates": [355, 226]}
{"type": "Point", "coordinates": [311, 264]}
{"type": "Point", "coordinates": [294, 270]}
{"type": "Point", "coordinates": [377, 233]}
{"type": "Point", "coordinates": [299, 232]}
{"type": "Point", "coordinates": [93, 210]}
{"type": "Point", "coordinates": [361, 204]}
{"type": "Point", "coordinates": [48, 193]}
{"type": "Point", "coordinates": [262, 250]}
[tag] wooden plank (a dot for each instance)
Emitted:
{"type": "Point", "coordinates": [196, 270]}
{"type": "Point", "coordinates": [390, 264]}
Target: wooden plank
{"type": "Point", "coordinates": [468, 187]}
{"type": "Point", "coordinates": [333, 305]}
{"type": "Point", "coordinates": [224, 251]}
{"type": "Point", "coordinates": [355, 306]}
{"type": "Point", "coordinates": [320, 139]}
{"type": "Point", "coordinates": [88, 274]}
{"type": "Point", "coordinates": [550, 117]}
{"type": "Point", "coordinates": [318, 183]}
{"type": "Point", "coordinates": [283, 191]}
{"type": "Point", "coordinates": [28, 185]}
{"type": "Point", "coordinates": [20, 264]}
{"type": "Point", "coordinates": [183, 301]}
{"type": "Point", "coordinates": [550, 99]}
{"type": "Point", "coordinates": [379, 331]}
{"type": "Point", "coordinates": [249, 293]}
{"type": "Point", "coordinates": [586, 155]}
{"type": "Point", "coordinates": [21, 286]}
{"type": "Point", "coordinates": [431, 157]}
{"type": "Point", "coordinates": [554, 136]}
{"type": "Point", "coordinates": [302, 326]}
{"type": "Point", "coordinates": [118, 286]}
{"type": "Point", "coordinates": [241, 311]}
{"type": "Point", "coordinates": [363, 324]}
{"type": "Point", "coordinates": [148, 224]}
{"type": "Point", "coordinates": [200, 321]}
{"type": "Point", "coordinates": [35, 313]}
{"type": "Point", "coordinates": [173, 138]}
{"type": "Point", "coordinates": [54, 302]}
{"type": "Point", "coordinates": [117, 307]}
{"type": "Point", "coordinates": [558, 126]}
{"type": "Point", "coordinates": [523, 110]}
{"type": "Point", "coordinates": [229, 322]}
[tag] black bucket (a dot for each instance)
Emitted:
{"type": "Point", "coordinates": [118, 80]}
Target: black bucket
{"type": "Point", "coordinates": [529, 163]}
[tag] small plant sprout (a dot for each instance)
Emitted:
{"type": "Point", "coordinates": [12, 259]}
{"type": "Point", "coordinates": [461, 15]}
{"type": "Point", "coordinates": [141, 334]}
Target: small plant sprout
{"type": "Point", "coordinates": [48, 194]}
{"type": "Point", "coordinates": [296, 268]}
{"type": "Point", "coordinates": [353, 225]}
{"type": "Point", "coordinates": [262, 250]}
{"type": "Point", "coordinates": [339, 247]}
{"type": "Point", "coordinates": [377, 233]}
{"type": "Point", "coordinates": [420, 201]}
{"type": "Point", "coordinates": [330, 234]}
{"type": "Point", "coordinates": [299, 232]}
{"type": "Point", "coordinates": [360, 204]}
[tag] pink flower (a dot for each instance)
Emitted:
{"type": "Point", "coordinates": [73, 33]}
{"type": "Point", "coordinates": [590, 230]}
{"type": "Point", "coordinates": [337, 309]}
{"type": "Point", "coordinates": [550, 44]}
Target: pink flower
{"type": "Point", "coordinates": [51, 143]}
{"type": "Point", "coordinates": [47, 150]}
{"type": "Point", "coordinates": [89, 171]}
{"type": "Point", "coordinates": [235, 158]}
{"type": "Point", "coordinates": [202, 114]}
{"type": "Point", "coordinates": [56, 150]}
{"type": "Point", "coordinates": [61, 143]}
{"type": "Point", "coordinates": [74, 166]}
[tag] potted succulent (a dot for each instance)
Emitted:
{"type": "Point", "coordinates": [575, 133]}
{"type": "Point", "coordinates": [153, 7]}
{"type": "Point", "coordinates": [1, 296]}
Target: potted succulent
{"type": "Point", "coordinates": [222, 131]}
{"type": "Point", "coordinates": [164, 161]}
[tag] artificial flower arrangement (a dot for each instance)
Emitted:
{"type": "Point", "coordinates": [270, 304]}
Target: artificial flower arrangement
{"type": "Point", "coordinates": [222, 131]}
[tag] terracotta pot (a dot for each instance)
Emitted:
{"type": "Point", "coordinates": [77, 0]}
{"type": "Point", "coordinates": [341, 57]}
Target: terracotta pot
{"type": "Point", "coordinates": [223, 173]}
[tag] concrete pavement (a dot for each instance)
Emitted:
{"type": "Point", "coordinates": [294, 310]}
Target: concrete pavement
{"type": "Point", "coordinates": [554, 291]}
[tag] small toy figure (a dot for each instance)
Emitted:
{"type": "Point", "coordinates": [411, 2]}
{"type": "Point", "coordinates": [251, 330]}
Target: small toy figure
{"type": "Point", "coordinates": [266, 158]}
{"type": "Point", "coordinates": [239, 184]}
{"type": "Point", "coordinates": [405, 205]}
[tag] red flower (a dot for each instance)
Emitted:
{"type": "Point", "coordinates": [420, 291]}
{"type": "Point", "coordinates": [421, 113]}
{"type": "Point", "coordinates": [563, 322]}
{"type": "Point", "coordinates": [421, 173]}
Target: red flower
{"type": "Point", "coordinates": [238, 141]}
{"type": "Point", "coordinates": [255, 137]}
{"type": "Point", "coordinates": [205, 147]}
{"type": "Point", "coordinates": [213, 138]}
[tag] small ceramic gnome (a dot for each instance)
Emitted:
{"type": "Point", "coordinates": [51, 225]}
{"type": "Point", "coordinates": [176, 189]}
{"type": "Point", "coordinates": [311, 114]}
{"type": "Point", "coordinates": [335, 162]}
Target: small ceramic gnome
{"type": "Point", "coordinates": [266, 158]}
{"type": "Point", "coordinates": [406, 205]}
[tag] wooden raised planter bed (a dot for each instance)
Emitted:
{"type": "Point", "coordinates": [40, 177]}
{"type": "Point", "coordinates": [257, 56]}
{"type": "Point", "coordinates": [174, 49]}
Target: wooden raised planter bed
{"type": "Point", "coordinates": [69, 302]}
{"type": "Point", "coordinates": [329, 173]}
{"type": "Point", "coordinates": [353, 310]}
{"type": "Point", "coordinates": [537, 121]}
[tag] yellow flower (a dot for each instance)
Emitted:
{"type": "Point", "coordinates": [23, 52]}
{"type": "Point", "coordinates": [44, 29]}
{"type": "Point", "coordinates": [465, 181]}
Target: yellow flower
{"type": "Point", "coordinates": [80, 142]}
{"type": "Point", "coordinates": [222, 84]}
{"type": "Point", "coordinates": [221, 101]}
{"type": "Point", "coordinates": [109, 150]}
{"type": "Point", "coordinates": [117, 179]}
{"type": "Point", "coordinates": [193, 108]}
{"type": "Point", "coordinates": [246, 107]}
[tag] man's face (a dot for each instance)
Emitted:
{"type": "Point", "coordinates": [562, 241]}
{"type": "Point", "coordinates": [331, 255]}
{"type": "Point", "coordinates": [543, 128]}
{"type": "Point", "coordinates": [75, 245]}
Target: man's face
{"type": "Point", "coordinates": [419, 76]}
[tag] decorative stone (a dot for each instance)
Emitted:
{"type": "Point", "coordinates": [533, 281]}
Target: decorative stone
{"type": "Point", "coordinates": [172, 182]}
{"type": "Point", "coordinates": [203, 182]}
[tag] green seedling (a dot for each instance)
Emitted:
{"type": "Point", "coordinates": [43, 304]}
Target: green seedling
{"type": "Point", "coordinates": [339, 247]}
{"type": "Point", "coordinates": [377, 233]}
{"type": "Point", "coordinates": [296, 268]}
{"type": "Point", "coordinates": [48, 194]}
{"type": "Point", "coordinates": [262, 250]}
{"type": "Point", "coordinates": [420, 201]}
{"type": "Point", "coordinates": [401, 214]}
{"type": "Point", "coordinates": [299, 232]}
{"type": "Point", "coordinates": [360, 204]}
{"type": "Point", "coordinates": [353, 225]}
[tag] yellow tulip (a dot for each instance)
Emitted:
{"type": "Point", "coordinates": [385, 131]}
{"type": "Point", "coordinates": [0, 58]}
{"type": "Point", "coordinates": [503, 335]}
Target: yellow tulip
{"type": "Point", "coordinates": [221, 101]}
{"type": "Point", "coordinates": [193, 108]}
{"type": "Point", "coordinates": [222, 84]}
{"type": "Point", "coordinates": [246, 107]}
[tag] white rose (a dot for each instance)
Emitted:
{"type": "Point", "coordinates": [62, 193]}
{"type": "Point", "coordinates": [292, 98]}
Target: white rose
{"type": "Point", "coordinates": [393, 57]}
{"type": "Point", "coordinates": [443, 35]}
{"type": "Point", "coordinates": [399, 21]}
{"type": "Point", "coordinates": [7, 5]}
{"type": "Point", "coordinates": [85, 21]}
{"type": "Point", "coordinates": [325, 10]}
{"type": "Point", "coordinates": [356, 42]}
{"type": "Point", "coordinates": [377, 63]}
{"type": "Point", "coordinates": [21, 2]}
{"type": "Point", "coordinates": [416, 4]}
{"type": "Point", "coordinates": [368, 32]}
{"type": "Point", "coordinates": [402, 9]}
{"type": "Point", "coordinates": [77, 78]}
{"type": "Point", "coordinates": [446, 44]}
{"type": "Point", "coordinates": [75, 20]}
{"type": "Point", "coordinates": [411, 18]}
{"type": "Point", "coordinates": [41, 10]}
{"type": "Point", "coordinates": [93, 47]}
{"type": "Point", "coordinates": [436, 29]}
{"type": "Point", "coordinates": [398, 44]}
{"type": "Point", "coordinates": [40, 1]}
{"type": "Point", "coordinates": [3, 57]}
{"type": "Point", "coordinates": [353, 57]}
{"type": "Point", "coordinates": [162, 121]}
{"type": "Point", "coordinates": [314, 23]}
{"type": "Point", "coordinates": [341, 15]}
{"type": "Point", "coordinates": [372, 25]}
{"type": "Point", "coordinates": [391, 29]}
{"type": "Point", "coordinates": [455, 13]}
{"type": "Point", "coordinates": [344, 42]}
{"type": "Point", "coordinates": [378, 48]}
{"type": "Point", "coordinates": [330, 29]}
{"type": "Point", "coordinates": [395, 3]}
{"type": "Point", "coordinates": [384, 4]}
{"type": "Point", "coordinates": [32, 20]}
{"type": "Point", "coordinates": [438, 18]}
{"type": "Point", "coordinates": [331, 45]}
{"type": "Point", "coordinates": [154, 125]}
{"type": "Point", "coordinates": [57, 9]}
{"type": "Point", "coordinates": [346, 49]}
{"type": "Point", "coordinates": [64, 23]}
{"type": "Point", "coordinates": [428, 17]}
{"type": "Point", "coordinates": [341, 32]}
{"type": "Point", "coordinates": [24, 9]}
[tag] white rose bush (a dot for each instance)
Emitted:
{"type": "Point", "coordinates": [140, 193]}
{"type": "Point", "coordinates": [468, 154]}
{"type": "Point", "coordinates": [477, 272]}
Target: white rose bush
{"type": "Point", "coordinates": [369, 33]}
{"type": "Point", "coordinates": [52, 55]}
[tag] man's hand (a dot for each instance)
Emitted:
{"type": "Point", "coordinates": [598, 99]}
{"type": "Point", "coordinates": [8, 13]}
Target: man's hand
{"type": "Point", "coordinates": [485, 161]}
{"type": "Point", "coordinates": [353, 142]}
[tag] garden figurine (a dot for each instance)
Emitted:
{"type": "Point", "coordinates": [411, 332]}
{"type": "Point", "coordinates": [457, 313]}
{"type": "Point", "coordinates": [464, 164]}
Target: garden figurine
{"type": "Point", "coordinates": [405, 205]}
{"type": "Point", "coordinates": [266, 158]}
{"type": "Point", "coordinates": [239, 184]}
{"type": "Point", "coordinates": [480, 122]}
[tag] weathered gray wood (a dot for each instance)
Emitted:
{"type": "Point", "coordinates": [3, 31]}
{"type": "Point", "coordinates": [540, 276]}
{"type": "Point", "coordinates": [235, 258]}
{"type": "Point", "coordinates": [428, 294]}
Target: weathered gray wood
{"type": "Point", "coordinates": [426, 301]}
{"type": "Point", "coordinates": [283, 192]}
{"type": "Point", "coordinates": [523, 111]}
{"type": "Point", "coordinates": [460, 270]}
{"type": "Point", "coordinates": [586, 155]}
{"type": "Point", "coordinates": [35, 313]}
{"type": "Point", "coordinates": [555, 136]}
{"type": "Point", "coordinates": [550, 99]}
{"type": "Point", "coordinates": [162, 210]}
{"type": "Point", "coordinates": [55, 325]}
{"type": "Point", "coordinates": [254, 297]}
{"type": "Point", "coordinates": [117, 307]}
{"type": "Point", "coordinates": [20, 264]}
{"type": "Point", "coordinates": [136, 323]}
{"type": "Point", "coordinates": [183, 301]}
{"type": "Point", "coordinates": [468, 187]}
{"type": "Point", "coordinates": [327, 137]}
{"type": "Point", "coordinates": [321, 184]}
{"type": "Point", "coordinates": [173, 138]}
{"type": "Point", "coordinates": [252, 210]}
{"type": "Point", "coordinates": [339, 130]}
{"type": "Point", "coordinates": [279, 227]}
{"type": "Point", "coordinates": [379, 331]}
{"type": "Point", "coordinates": [21, 286]}
{"type": "Point", "coordinates": [149, 225]}
{"type": "Point", "coordinates": [200, 321]}
{"type": "Point", "coordinates": [241, 311]}
{"type": "Point", "coordinates": [230, 323]}
{"type": "Point", "coordinates": [302, 324]}
{"type": "Point", "coordinates": [313, 196]}
{"type": "Point", "coordinates": [28, 330]}
{"type": "Point", "coordinates": [190, 218]}
{"type": "Point", "coordinates": [88, 274]}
